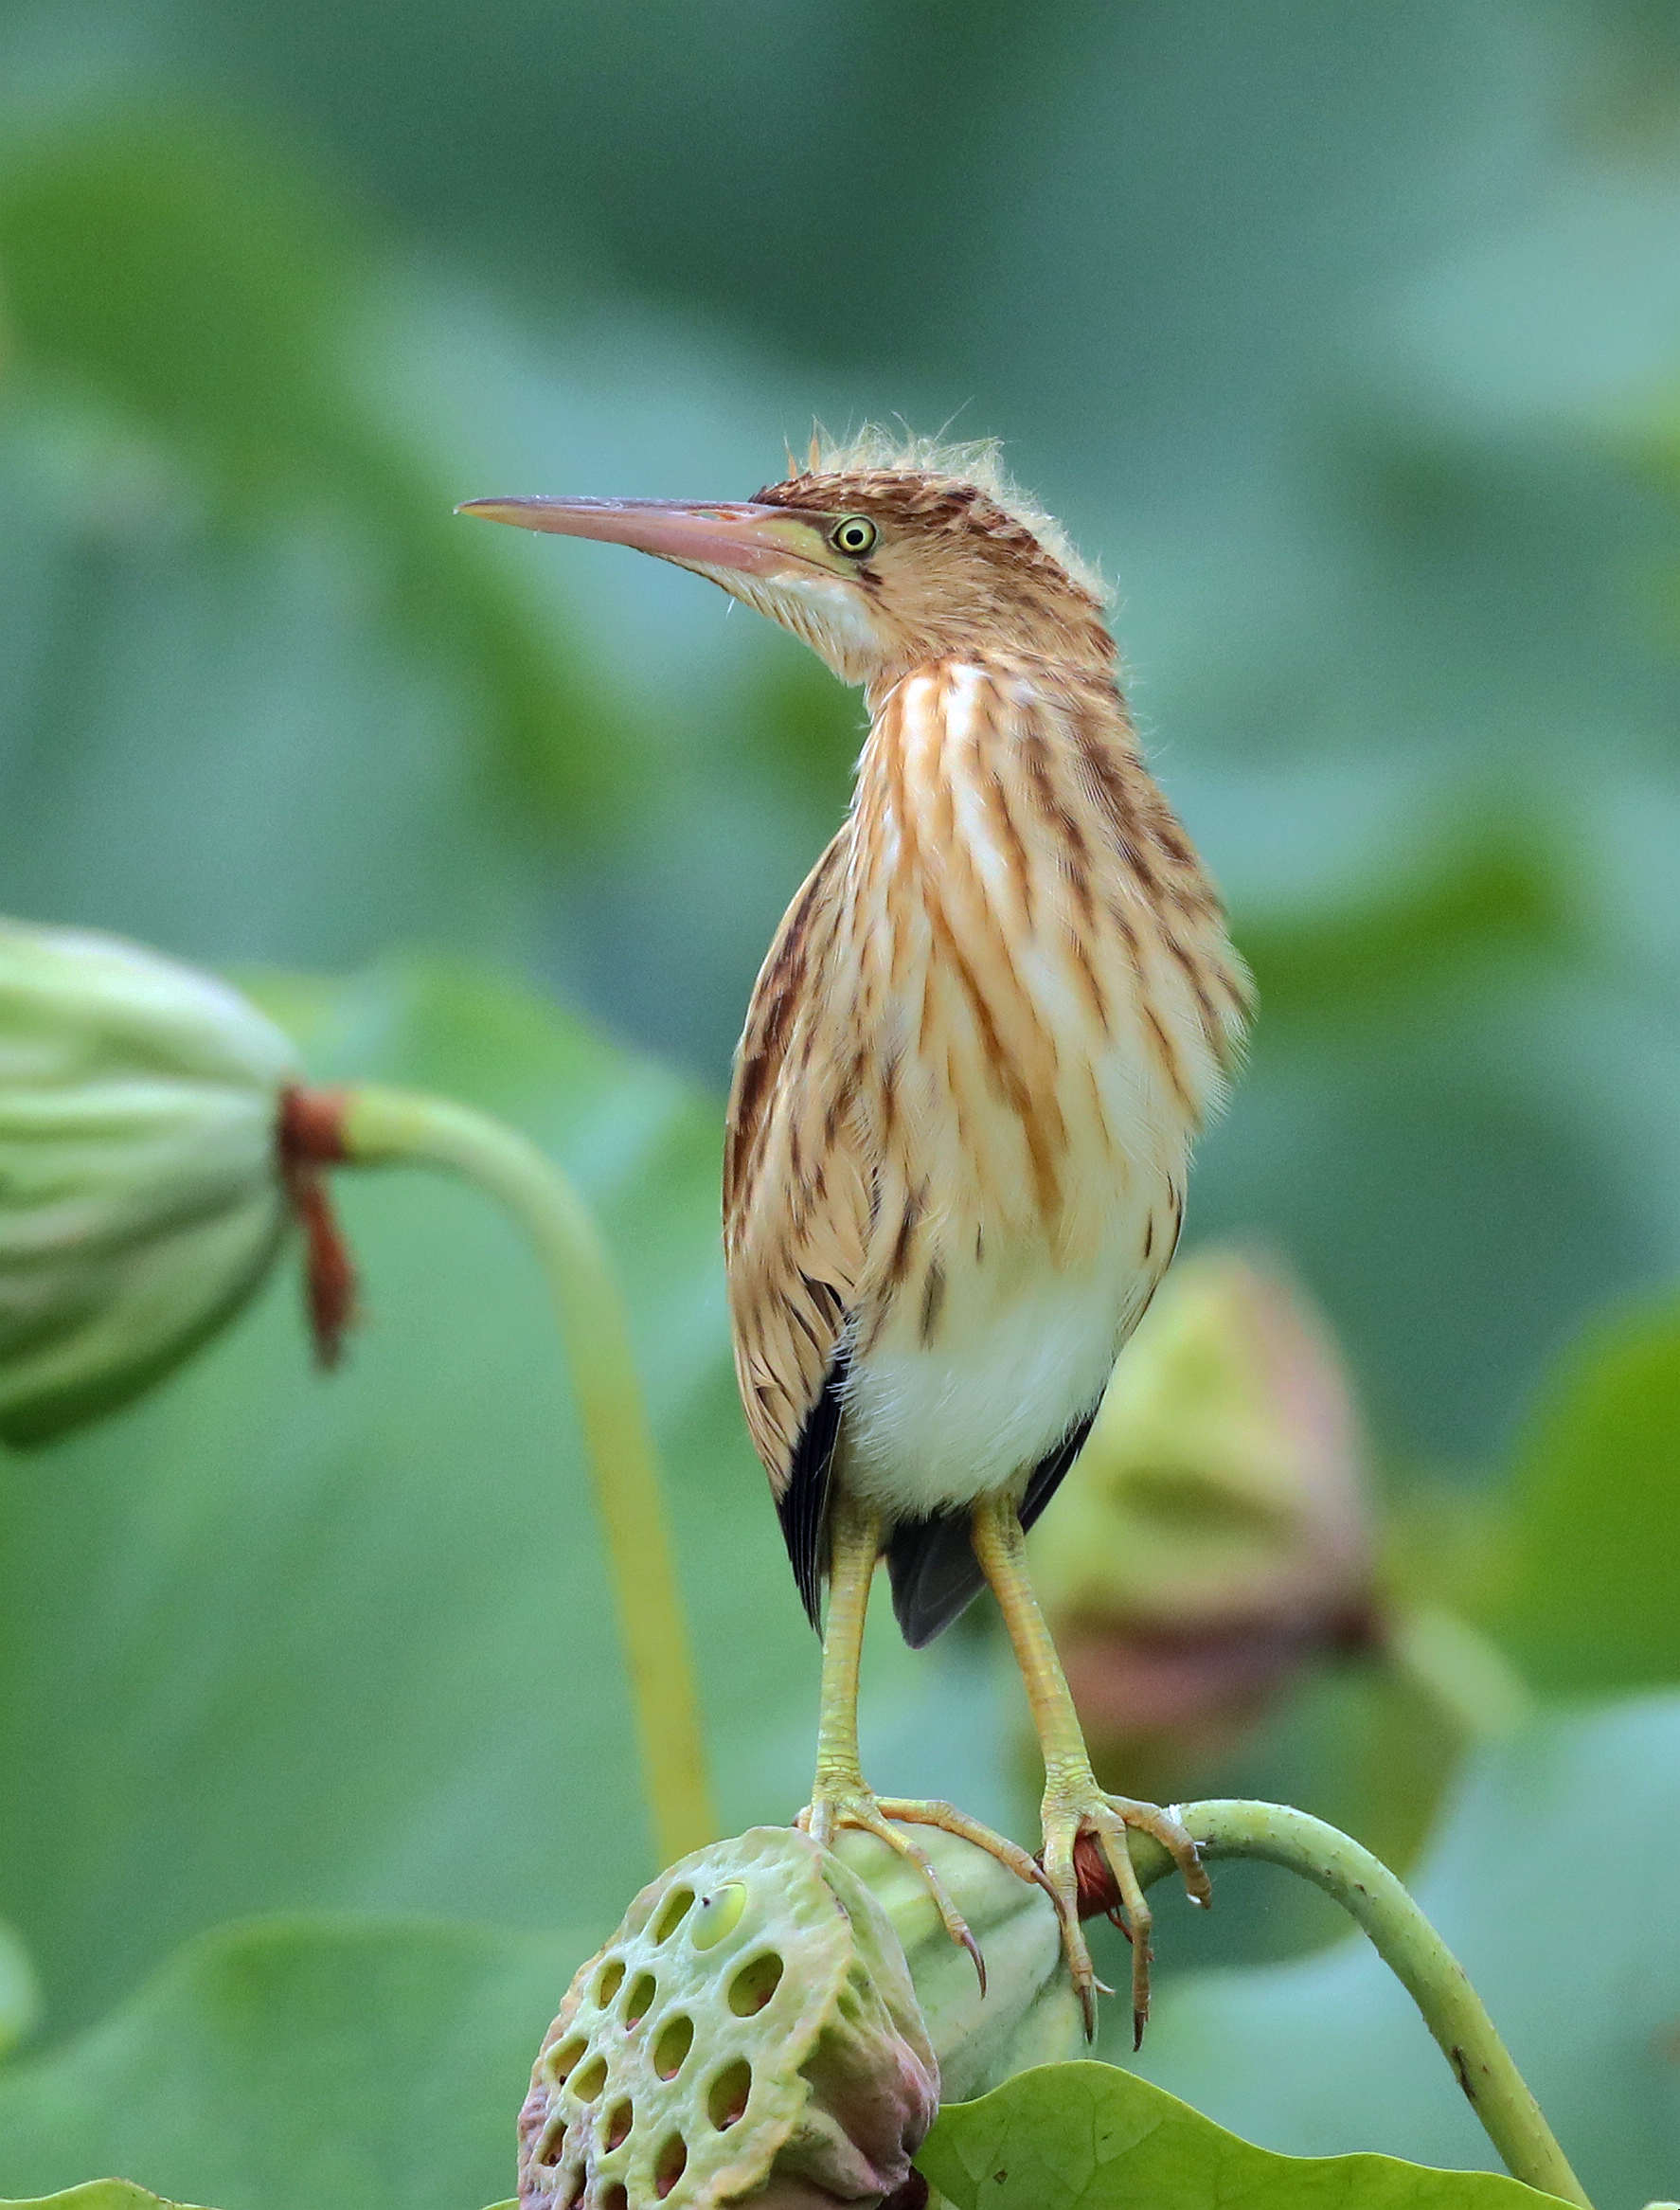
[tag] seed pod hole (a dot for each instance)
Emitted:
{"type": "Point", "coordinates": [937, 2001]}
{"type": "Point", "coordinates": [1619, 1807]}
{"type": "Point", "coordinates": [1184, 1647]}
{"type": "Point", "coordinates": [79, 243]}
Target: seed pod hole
{"type": "Point", "coordinates": [718, 1916]}
{"type": "Point", "coordinates": [615, 2129]}
{"type": "Point", "coordinates": [587, 2083]}
{"type": "Point", "coordinates": [727, 2097]}
{"type": "Point", "coordinates": [614, 2197]}
{"type": "Point", "coordinates": [638, 2003]}
{"type": "Point", "coordinates": [675, 2041]}
{"type": "Point", "coordinates": [612, 1979]}
{"type": "Point", "coordinates": [755, 1984]}
{"type": "Point", "coordinates": [677, 1906]}
{"type": "Point", "coordinates": [561, 2061]}
{"type": "Point", "coordinates": [670, 2163]}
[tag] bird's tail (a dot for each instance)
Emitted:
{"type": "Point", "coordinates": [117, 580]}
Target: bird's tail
{"type": "Point", "coordinates": [936, 1576]}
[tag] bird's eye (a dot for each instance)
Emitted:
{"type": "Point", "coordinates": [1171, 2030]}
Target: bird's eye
{"type": "Point", "coordinates": [853, 536]}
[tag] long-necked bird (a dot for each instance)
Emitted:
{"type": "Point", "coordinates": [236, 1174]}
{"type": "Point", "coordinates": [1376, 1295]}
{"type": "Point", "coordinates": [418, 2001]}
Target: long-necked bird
{"type": "Point", "coordinates": [987, 1033]}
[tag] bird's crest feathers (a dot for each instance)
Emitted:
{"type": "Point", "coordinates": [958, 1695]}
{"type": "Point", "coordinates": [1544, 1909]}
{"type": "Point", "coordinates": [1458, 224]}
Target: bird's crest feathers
{"type": "Point", "coordinates": [878, 451]}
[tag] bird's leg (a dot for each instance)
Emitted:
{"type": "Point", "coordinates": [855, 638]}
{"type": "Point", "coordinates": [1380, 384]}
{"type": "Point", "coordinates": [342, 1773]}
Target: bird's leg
{"type": "Point", "coordinates": [1074, 1804]}
{"type": "Point", "coordinates": [840, 1796]}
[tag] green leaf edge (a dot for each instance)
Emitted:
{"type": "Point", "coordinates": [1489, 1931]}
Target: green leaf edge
{"type": "Point", "coordinates": [96, 2195]}
{"type": "Point", "coordinates": [119, 2195]}
{"type": "Point", "coordinates": [941, 2161]}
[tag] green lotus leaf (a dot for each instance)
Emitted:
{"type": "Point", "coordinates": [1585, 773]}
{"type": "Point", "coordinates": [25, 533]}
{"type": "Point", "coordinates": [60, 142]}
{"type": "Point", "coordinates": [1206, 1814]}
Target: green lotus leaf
{"type": "Point", "coordinates": [1089, 2136]}
{"type": "Point", "coordinates": [96, 2195]}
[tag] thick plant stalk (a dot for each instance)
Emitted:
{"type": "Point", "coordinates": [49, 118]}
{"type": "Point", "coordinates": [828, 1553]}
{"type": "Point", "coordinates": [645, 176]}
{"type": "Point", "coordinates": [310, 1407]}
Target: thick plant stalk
{"type": "Point", "coordinates": [376, 1126]}
{"type": "Point", "coordinates": [1413, 1952]}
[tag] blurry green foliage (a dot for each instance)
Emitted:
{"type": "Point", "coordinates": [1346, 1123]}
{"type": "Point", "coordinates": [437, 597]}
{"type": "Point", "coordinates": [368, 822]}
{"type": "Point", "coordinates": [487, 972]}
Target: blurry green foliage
{"type": "Point", "coordinates": [1596, 1494]}
{"type": "Point", "coordinates": [221, 297]}
{"type": "Point", "coordinates": [304, 2064]}
{"type": "Point", "coordinates": [191, 316]}
{"type": "Point", "coordinates": [19, 1996]}
{"type": "Point", "coordinates": [1493, 894]}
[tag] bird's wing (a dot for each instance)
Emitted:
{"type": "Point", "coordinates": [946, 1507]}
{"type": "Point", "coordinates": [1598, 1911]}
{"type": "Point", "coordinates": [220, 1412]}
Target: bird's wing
{"type": "Point", "coordinates": [797, 1212]}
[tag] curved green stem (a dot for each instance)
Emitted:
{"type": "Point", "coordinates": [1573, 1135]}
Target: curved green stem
{"type": "Point", "coordinates": [1413, 1952]}
{"type": "Point", "coordinates": [382, 1126]}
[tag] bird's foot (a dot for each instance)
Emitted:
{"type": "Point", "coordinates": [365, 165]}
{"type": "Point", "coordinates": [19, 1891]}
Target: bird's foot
{"type": "Point", "coordinates": [851, 1804]}
{"type": "Point", "coordinates": [1080, 1816]}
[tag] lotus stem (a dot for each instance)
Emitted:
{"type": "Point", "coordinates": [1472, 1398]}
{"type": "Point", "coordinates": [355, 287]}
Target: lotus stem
{"type": "Point", "coordinates": [377, 1126]}
{"type": "Point", "coordinates": [1413, 1952]}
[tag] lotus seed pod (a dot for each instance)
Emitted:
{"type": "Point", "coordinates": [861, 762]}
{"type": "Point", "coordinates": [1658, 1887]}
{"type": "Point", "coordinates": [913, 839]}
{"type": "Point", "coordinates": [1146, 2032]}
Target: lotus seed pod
{"type": "Point", "coordinates": [749, 2030]}
{"type": "Point", "coordinates": [141, 1200]}
{"type": "Point", "coordinates": [1029, 2013]}
{"type": "Point", "coordinates": [1216, 1533]}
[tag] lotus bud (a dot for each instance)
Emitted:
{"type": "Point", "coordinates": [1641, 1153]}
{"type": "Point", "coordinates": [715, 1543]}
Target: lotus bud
{"type": "Point", "coordinates": [749, 2032]}
{"type": "Point", "coordinates": [143, 1187]}
{"type": "Point", "coordinates": [1215, 1534]}
{"type": "Point", "coordinates": [1028, 2013]}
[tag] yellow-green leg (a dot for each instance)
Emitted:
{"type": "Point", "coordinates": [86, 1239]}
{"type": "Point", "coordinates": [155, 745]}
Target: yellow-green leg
{"type": "Point", "coordinates": [1074, 1805]}
{"type": "Point", "coordinates": [839, 1796]}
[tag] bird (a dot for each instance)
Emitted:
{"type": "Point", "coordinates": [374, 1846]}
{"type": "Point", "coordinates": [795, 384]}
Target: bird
{"type": "Point", "coordinates": [992, 1023]}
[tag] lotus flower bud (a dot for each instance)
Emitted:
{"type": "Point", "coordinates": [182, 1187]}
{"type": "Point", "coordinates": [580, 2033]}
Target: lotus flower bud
{"type": "Point", "coordinates": [1214, 1534]}
{"type": "Point", "coordinates": [749, 2030]}
{"type": "Point", "coordinates": [1028, 2013]}
{"type": "Point", "coordinates": [142, 1195]}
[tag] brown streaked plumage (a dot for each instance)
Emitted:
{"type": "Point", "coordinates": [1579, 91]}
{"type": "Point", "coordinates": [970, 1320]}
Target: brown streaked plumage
{"type": "Point", "coordinates": [982, 1043]}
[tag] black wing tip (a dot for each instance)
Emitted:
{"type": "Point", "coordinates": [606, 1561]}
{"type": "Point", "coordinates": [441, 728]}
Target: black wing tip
{"type": "Point", "coordinates": [803, 1506]}
{"type": "Point", "coordinates": [811, 1599]}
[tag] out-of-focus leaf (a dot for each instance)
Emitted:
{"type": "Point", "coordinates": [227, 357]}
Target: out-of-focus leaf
{"type": "Point", "coordinates": [1485, 895]}
{"type": "Point", "coordinates": [1092, 2137]}
{"type": "Point", "coordinates": [300, 2065]}
{"type": "Point", "coordinates": [1433, 1134]}
{"type": "Point", "coordinates": [216, 295]}
{"type": "Point", "coordinates": [1597, 1506]}
{"type": "Point", "coordinates": [1556, 1883]}
{"type": "Point", "coordinates": [347, 1641]}
{"type": "Point", "coordinates": [19, 1995]}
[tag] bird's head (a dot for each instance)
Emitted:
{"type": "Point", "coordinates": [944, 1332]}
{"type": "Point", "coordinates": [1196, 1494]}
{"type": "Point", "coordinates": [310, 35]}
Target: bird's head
{"type": "Point", "coordinates": [882, 557]}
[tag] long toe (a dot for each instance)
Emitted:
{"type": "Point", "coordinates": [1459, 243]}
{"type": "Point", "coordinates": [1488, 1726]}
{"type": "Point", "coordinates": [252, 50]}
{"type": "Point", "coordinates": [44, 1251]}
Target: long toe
{"type": "Point", "coordinates": [913, 1811]}
{"type": "Point", "coordinates": [1061, 1835]}
{"type": "Point", "coordinates": [1173, 1836]}
{"type": "Point", "coordinates": [869, 1814]}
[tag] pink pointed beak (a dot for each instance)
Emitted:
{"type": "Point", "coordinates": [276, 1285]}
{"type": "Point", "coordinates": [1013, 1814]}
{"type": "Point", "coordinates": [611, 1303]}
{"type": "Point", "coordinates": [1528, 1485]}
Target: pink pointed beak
{"type": "Point", "coordinates": [759, 539]}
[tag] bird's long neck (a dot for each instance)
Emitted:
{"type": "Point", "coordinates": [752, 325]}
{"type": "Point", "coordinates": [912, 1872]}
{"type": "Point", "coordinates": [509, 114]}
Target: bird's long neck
{"type": "Point", "coordinates": [1038, 757]}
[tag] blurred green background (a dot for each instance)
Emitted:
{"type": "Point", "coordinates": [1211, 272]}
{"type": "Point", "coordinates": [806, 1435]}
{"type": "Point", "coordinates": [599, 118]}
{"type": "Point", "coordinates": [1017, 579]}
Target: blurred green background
{"type": "Point", "coordinates": [1347, 340]}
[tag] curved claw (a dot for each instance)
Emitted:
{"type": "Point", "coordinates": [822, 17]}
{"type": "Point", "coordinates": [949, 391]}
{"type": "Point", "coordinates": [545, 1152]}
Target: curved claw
{"type": "Point", "coordinates": [1079, 1827]}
